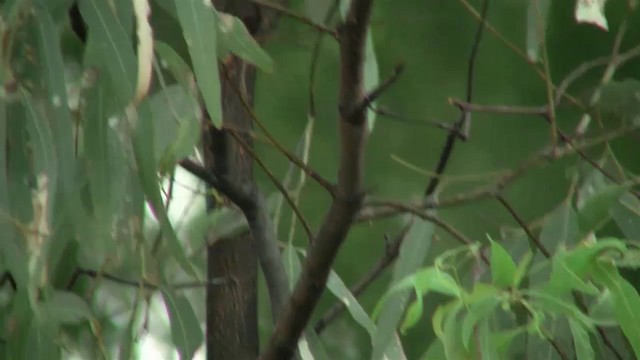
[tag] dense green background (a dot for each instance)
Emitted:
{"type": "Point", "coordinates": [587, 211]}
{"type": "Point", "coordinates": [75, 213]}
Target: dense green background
{"type": "Point", "coordinates": [433, 40]}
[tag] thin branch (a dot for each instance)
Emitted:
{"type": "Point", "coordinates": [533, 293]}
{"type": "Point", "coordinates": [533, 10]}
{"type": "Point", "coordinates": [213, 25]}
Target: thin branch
{"type": "Point", "coordinates": [382, 111]}
{"type": "Point", "coordinates": [139, 283]}
{"type": "Point", "coordinates": [292, 158]}
{"type": "Point", "coordinates": [464, 121]}
{"type": "Point", "coordinates": [382, 209]}
{"type": "Point", "coordinates": [534, 240]}
{"type": "Point", "coordinates": [499, 109]}
{"type": "Point", "coordinates": [349, 193]}
{"type": "Point", "coordinates": [278, 185]}
{"type": "Point", "coordinates": [392, 250]}
{"type": "Point", "coordinates": [379, 90]}
{"type": "Point", "coordinates": [300, 18]}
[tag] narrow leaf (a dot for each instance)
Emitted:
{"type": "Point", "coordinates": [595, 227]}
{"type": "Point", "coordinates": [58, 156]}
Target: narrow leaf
{"type": "Point", "coordinates": [581, 341]}
{"type": "Point", "coordinates": [199, 26]}
{"type": "Point", "coordinates": [186, 333]}
{"type": "Point", "coordinates": [235, 38]}
{"type": "Point", "coordinates": [503, 268]}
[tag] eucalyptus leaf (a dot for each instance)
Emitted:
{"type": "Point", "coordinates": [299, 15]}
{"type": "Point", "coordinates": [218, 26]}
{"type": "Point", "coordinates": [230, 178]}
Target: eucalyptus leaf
{"type": "Point", "coordinates": [186, 332]}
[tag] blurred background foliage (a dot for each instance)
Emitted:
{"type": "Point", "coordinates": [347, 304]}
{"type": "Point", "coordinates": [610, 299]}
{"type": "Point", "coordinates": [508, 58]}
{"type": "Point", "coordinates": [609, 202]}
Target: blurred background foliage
{"type": "Point", "coordinates": [433, 40]}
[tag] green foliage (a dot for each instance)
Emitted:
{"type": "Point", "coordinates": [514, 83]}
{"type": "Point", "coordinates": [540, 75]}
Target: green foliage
{"type": "Point", "coordinates": [88, 180]}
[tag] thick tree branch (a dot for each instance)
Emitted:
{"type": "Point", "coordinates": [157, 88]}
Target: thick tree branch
{"type": "Point", "coordinates": [349, 193]}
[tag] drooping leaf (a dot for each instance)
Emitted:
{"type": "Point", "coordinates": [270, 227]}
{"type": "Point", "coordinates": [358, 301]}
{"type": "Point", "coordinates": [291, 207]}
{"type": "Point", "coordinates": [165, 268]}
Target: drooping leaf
{"type": "Point", "coordinates": [537, 12]}
{"type": "Point", "coordinates": [414, 313]}
{"type": "Point", "coordinates": [110, 46]}
{"type": "Point", "coordinates": [503, 268]}
{"type": "Point", "coordinates": [584, 350]}
{"type": "Point", "coordinates": [478, 311]}
{"type": "Point", "coordinates": [143, 151]}
{"type": "Point", "coordinates": [551, 304]}
{"type": "Point", "coordinates": [186, 333]}
{"type": "Point", "coordinates": [235, 38]}
{"type": "Point", "coordinates": [169, 59]}
{"type": "Point", "coordinates": [626, 302]}
{"type": "Point", "coordinates": [198, 20]}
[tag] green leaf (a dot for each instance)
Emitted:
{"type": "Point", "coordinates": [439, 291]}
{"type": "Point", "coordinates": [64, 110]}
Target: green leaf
{"type": "Point", "coordinates": [523, 266]}
{"type": "Point", "coordinates": [143, 151]}
{"type": "Point", "coordinates": [172, 61]}
{"type": "Point", "coordinates": [595, 210]}
{"type": "Point", "coordinates": [537, 12]}
{"type": "Point", "coordinates": [561, 227]}
{"type": "Point", "coordinates": [412, 254]}
{"type": "Point", "coordinates": [110, 45]}
{"type": "Point", "coordinates": [428, 279]}
{"type": "Point", "coordinates": [235, 38]}
{"type": "Point", "coordinates": [626, 214]}
{"type": "Point", "coordinates": [552, 304]}
{"type": "Point", "coordinates": [618, 98]}
{"type": "Point", "coordinates": [503, 268]}
{"type": "Point", "coordinates": [602, 311]}
{"type": "Point", "coordinates": [67, 308]}
{"type": "Point", "coordinates": [40, 342]}
{"type": "Point", "coordinates": [477, 312]}
{"type": "Point", "coordinates": [581, 341]}
{"type": "Point", "coordinates": [186, 333]}
{"type": "Point", "coordinates": [199, 26]}
{"type": "Point", "coordinates": [488, 349]}
{"type": "Point", "coordinates": [414, 313]}
{"type": "Point", "coordinates": [626, 303]}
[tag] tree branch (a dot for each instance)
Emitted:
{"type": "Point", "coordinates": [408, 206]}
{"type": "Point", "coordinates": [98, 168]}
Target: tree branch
{"type": "Point", "coordinates": [300, 18]}
{"type": "Point", "coordinates": [392, 250]}
{"type": "Point", "coordinates": [349, 193]}
{"type": "Point", "coordinates": [138, 283]}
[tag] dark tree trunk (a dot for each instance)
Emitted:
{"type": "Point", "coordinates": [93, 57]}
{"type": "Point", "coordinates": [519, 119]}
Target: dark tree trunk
{"type": "Point", "coordinates": [232, 315]}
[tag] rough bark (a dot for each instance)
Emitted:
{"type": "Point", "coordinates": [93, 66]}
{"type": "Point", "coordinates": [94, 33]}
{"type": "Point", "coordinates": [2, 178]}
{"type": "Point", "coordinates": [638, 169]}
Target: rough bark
{"type": "Point", "coordinates": [232, 317]}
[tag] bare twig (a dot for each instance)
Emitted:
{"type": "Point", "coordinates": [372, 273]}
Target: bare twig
{"type": "Point", "coordinates": [437, 124]}
{"type": "Point", "coordinates": [139, 283]}
{"type": "Point", "coordinates": [392, 250]}
{"type": "Point", "coordinates": [375, 93]}
{"type": "Point", "coordinates": [302, 19]}
{"type": "Point", "coordinates": [500, 109]}
{"type": "Point", "coordinates": [464, 122]}
{"type": "Point", "coordinates": [292, 158]}
{"type": "Point", "coordinates": [534, 240]}
{"type": "Point", "coordinates": [278, 185]}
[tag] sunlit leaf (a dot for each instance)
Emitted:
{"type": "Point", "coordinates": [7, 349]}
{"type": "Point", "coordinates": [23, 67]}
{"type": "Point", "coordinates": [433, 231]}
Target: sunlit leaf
{"type": "Point", "coordinates": [522, 268]}
{"type": "Point", "coordinates": [186, 333]}
{"type": "Point", "coordinates": [198, 20]}
{"type": "Point", "coordinates": [503, 268]}
{"type": "Point", "coordinates": [592, 12]}
{"type": "Point", "coordinates": [414, 313]}
{"type": "Point", "coordinates": [145, 48]}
